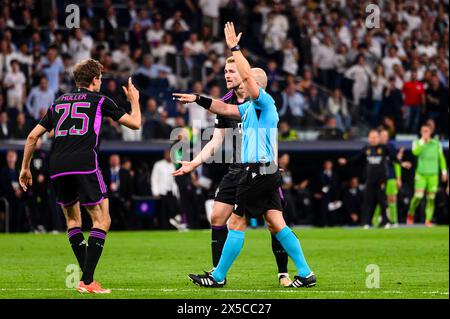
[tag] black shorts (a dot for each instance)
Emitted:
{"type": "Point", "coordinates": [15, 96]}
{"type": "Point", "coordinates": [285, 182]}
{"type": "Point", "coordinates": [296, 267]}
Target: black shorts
{"type": "Point", "coordinates": [226, 192]}
{"type": "Point", "coordinates": [258, 193]}
{"type": "Point", "coordinates": [88, 189]}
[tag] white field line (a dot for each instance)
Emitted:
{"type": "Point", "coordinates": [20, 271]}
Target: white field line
{"type": "Point", "coordinates": [287, 291]}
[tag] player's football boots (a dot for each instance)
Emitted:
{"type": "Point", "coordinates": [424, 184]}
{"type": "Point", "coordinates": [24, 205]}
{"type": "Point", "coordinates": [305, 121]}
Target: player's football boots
{"type": "Point", "coordinates": [206, 280]}
{"type": "Point", "coordinates": [93, 288]}
{"type": "Point", "coordinates": [308, 281]}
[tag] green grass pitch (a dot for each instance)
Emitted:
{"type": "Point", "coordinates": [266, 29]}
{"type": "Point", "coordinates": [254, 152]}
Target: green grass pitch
{"type": "Point", "coordinates": [413, 263]}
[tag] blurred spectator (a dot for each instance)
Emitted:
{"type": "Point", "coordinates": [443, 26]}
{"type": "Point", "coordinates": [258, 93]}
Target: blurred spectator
{"type": "Point", "coordinates": [337, 108]}
{"type": "Point", "coordinates": [324, 62]}
{"type": "Point", "coordinates": [285, 133]}
{"type": "Point", "coordinates": [317, 108]}
{"type": "Point", "coordinates": [53, 68]}
{"type": "Point", "coordinates": [164, 49]}
{"type": "Point", "coordinates": [162, 128]}
{"type": "Point", "coordinates": [414, 93]}
{"type": "Point", "coordinates": [288, 189]}
{"type": "Point", "coordinates": [166, 190]}
{"type": "Point", "coordinates": [176, 19]}
{"type": "Point", "coordinates": [274, 30]}
{"type": "Point", "coordinates": [6, 55]}
{"type": "Point", "coordinates": [327, 194]}
{"type": "Point", "coordinates": [361, 75]}
{"type": "Point", "coordinates": [156, 33]}
{"type": "Point", "coordinates": [40, 98]}
{"type": "Point", "coordinates": [290, 58]}
{"type": "Point", "coordinates": [111, 130]}
{"type": "Point", "coordinates": [294, 105]}
{"type": "Point", "coordinates": [21, 129]}
{"type": "Point", "coordinates": [393, 103]}
{"type": "Point", "coordinates": [331, 131]}
{"type": "Point", "coordinates": [352, 200]}
{"type": "Point", "coordinates": [379, 83]}
{"type": "Point", "coordinates": [210, 11]}
{"type": "Point", "coordinates": [11, 190]}
{"type": "Point", "coordinates": [151, 118]}
{"type": "Point", "coordinates": [80, 46]}
{"type": "Point", "coordinates": [435, 103]}
{"type": "Point", "coordinates": [14, 82]}
{"type": "Point", "coordinates": [5, 128]}
{"type": "Point", "coordinates": [120, 189]}
{"type": "Point", "coordinates": [390, 60]}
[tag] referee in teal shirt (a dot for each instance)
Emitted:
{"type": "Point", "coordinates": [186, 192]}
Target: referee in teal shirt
{"type": "Point", "coordinates": [258, 191]}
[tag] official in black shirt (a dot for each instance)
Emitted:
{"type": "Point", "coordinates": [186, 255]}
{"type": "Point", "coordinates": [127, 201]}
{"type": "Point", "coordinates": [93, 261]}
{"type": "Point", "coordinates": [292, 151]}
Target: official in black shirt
{"type": "Point", "coordinates": [376, 158]}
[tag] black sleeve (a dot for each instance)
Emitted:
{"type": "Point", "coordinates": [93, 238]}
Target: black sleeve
{"type": "Point", "coordinates": [358, 157]}
{"type": "Point", "coordinates": [221, 122]}
{"type": "Point", "coordinates": [391, 153]}
{"type": "Point", "coordinates": [110, 109]}
{"type": "Point", "coordinates": [47, 120]}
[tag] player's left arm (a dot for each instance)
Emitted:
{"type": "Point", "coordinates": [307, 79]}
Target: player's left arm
{"type": "Point", "coordinates": [25, 177]}
{"type": "Point", "coordinates": [242, 64]}
{"type": "Point", "coordinates": [442, 163]}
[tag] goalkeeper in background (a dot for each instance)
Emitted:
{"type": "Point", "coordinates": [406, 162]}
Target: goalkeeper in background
{"type": "Point", "coordinates": [430, 159]}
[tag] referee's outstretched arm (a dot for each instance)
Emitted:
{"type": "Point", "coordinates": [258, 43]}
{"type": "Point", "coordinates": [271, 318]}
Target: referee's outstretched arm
{"type": "Point", "coordinates": [214, 106]}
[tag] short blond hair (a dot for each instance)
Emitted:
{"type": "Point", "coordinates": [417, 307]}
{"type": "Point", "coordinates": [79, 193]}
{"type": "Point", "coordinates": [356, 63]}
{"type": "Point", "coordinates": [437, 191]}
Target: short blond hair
{"type": "Point", "coordinates": [230, 59]}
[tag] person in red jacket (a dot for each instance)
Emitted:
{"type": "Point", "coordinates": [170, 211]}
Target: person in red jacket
{"type": "Point", "coordinates": [414, 101]}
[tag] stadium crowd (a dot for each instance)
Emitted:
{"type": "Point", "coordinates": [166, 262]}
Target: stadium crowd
{"type": "Point", "coordinates": [327, 72]}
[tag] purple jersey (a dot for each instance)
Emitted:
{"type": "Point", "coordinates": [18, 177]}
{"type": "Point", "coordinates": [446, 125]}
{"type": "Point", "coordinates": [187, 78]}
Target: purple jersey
{"type": "Point", "coordinates": [77, 118]}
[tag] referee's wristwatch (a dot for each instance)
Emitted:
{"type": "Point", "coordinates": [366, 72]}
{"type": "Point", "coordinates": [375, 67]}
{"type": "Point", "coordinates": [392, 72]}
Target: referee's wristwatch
{"type": "Point", "coordinates": [237, 47]}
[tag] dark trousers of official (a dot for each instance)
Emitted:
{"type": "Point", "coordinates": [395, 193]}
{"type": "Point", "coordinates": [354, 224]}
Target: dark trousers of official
{"type": "Point", "coordinates": [168, 208]}
{"type": "Point", "coordinates": [374, 194]}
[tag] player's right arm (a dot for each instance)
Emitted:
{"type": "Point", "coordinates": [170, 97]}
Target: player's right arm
{"type": "Point", "coordinates": [25, 177]}
{"type": "Point", "coordinates": [354, 159]}
{"type": "Point", "coordinates": [442, 163]}
{"type": "Point", "coordinates": [210, 149]}
{"type": "Point", "coordinates": [132, 120]}
{"type": "Point", "coordinates": [418, 146]}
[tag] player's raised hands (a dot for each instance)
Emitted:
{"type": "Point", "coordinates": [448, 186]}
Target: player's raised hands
{"type": "Point", "coordinates": [230, 35]}
{"type": "Point", "coordinates": [185, 98]}
{"type": "Point", "coordinates": [342, 161]}
{"type": "Point", "coordinates": [186, 167]}
{"type": "Point", "coordinates": [131, 92]}
{"type": "Point", "coordinates": [25, 179]}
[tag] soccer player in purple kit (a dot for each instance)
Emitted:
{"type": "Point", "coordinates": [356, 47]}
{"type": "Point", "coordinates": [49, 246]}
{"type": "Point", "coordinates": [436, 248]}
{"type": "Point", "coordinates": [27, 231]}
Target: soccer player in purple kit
{"type": "Point", "coordinates": [76, 119]}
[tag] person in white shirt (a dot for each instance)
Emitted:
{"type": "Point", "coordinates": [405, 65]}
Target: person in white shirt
{"type": "Point", "coordinates": [5, 129]}
{"type": "Point", "coordinates": [324, 61]}
{"type": "Point", "coordinates": [391, 60]}
{"type": "Point", "coordinates": [80, 46]}
{"type": "Point", "coordinates": [361, 74]}
{"type": "Point", "coordinates": [337, 108]}
{"type": "Point", "coordinates": [155, 34]}
{"type": "Point", "coordinates": [40, 98]}
{"type": "Point", "coordinates": [164, 48]}
{"type": "Point", "coordinates": [177, 17]}
{"type": "Point", "coordinates": [379, 83]}
{"type": "Point", "coordinates": [291, 57]}
{"type": "Point", "coordinates": [210, 11]}
{"type": "Point", "coordinates": [194, 45]}
{"type": "Point", "coordinates": [165, 189]}
{"type": "Point", "coordinates": [14, 83]}
{"type": "Point", "coordinates": [427, 47]}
